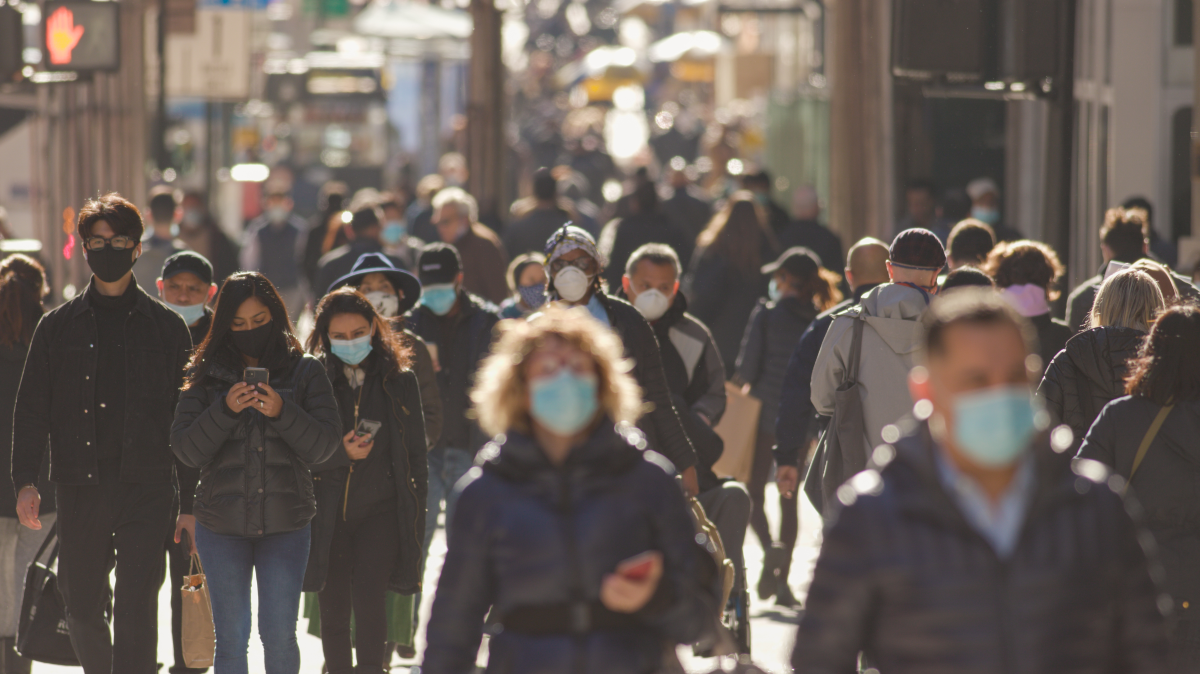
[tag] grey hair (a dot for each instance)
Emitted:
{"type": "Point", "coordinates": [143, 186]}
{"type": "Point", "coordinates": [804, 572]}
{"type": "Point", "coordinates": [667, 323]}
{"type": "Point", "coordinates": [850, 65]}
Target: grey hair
{"type": "Point", "coordinates": [462, 202]}
{"type": "Point", "coordinates": [1128, 299]}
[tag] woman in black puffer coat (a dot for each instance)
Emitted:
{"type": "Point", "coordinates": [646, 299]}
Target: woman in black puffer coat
{"type": "Point", "coordinates": [254, 445]}
{"type": "Point", "coordinates": [1091, 370]}
{"type": "Point", "coordinates": [370, 524]}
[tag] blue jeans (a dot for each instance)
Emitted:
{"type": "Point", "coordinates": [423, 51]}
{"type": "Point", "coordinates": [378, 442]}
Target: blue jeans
{"type": "Point", "coordinates": [278, 562]}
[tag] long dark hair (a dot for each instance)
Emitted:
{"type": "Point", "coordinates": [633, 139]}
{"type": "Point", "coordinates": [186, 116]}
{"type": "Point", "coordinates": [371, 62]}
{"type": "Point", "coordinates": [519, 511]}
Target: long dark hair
{"type": "Point", "coordinates": [22, 286]}
{"type": "Point", "coordinates": [1167, 368]}
{"type": "Point", "coordinates": [390, 350]}
{"type": "Point", "coordinates": [738, 232]}
{"type": "Point", "coordinates": [281, 352]}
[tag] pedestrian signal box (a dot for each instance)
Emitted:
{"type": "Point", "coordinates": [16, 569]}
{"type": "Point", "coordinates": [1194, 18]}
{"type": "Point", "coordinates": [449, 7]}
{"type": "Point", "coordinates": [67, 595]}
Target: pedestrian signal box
{"type": "Point", "coordinates": [81, 36]}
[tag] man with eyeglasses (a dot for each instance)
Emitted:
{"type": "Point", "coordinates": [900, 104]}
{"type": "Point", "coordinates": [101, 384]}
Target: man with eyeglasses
{"type": "Point", "coordinates": [101, 381]}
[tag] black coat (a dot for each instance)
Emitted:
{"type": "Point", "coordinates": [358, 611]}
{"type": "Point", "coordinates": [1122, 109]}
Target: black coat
{"type": "Point", "coordinates": [529, 535]}
{"type": "Point", "coordinates": [903, 576]}
{"type": "Point", "coordinates": [58, 394]}
{"type": "Point", "coordinates": [723, 297]}
{"type": "Point", "coordinates": [408, 468]}
{"type": "Point", "coordinates": [12, 360]}
{"type": "Point", "coordinates": [1087, 374]}
{"type": "Point", "coordinates": [1052, 336]}
{"type": "Point", "coordinates": [1165, 483]}
{"type": "Point", "coordinates": [662, 425]}
{"type": "Point", "coordinates": [254, 471]}
{"type": "Point", "coordinates": [771, 337]}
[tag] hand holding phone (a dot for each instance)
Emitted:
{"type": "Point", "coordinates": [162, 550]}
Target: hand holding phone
{"type": "Point", "coordinates": [639, 566]}
{"type": "Point", "coordinates": [256, 376]}
{"type": "Point", "coordinates": [367, 429]}
{"type": "Point", "coordinates": [633, 584]}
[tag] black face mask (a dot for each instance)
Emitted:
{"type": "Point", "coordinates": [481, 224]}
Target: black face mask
{"type": "Point", "coordinates": [252, 342]}
{"type": "Point", "coordinates": [109, 264]}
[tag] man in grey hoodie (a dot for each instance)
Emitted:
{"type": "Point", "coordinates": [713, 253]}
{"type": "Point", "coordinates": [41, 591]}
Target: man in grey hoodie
{"type": "Point", "coordinates": [891, 338]}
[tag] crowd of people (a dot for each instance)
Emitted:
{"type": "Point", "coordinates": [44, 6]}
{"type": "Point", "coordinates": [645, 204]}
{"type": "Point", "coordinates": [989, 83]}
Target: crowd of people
{"type": "Point", "coordinates": [1003, 475]}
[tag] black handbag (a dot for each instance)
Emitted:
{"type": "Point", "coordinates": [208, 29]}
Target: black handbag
{"type": "Point", "coordinates": [42, 633]}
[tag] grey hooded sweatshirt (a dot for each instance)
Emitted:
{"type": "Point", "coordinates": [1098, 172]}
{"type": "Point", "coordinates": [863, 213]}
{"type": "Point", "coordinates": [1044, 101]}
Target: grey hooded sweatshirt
{"type": "Point", "coordinates": [892, 342]}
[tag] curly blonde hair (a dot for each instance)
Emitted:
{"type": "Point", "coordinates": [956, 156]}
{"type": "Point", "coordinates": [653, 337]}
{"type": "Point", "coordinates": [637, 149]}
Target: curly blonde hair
{"type": "Point", "coordinates": [502, 389]}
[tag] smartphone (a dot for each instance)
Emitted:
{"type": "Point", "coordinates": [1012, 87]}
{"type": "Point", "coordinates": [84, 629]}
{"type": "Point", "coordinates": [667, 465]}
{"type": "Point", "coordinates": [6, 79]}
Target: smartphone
{"type": "Point", "coordinates": [638, 567]}
{"type": "Point", "coordinates": [367, 429]}
{"type": "Point", "coordinates": [256, 376]}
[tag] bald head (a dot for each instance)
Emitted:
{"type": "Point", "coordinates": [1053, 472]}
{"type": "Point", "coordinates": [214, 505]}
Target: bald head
{"type": "Point", "coordinates": [867, 262]}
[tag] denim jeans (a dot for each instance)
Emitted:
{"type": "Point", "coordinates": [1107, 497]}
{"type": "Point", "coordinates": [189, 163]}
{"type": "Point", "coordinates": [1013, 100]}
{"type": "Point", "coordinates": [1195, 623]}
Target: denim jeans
{"type": "Point", "coordinates": [278, 562]}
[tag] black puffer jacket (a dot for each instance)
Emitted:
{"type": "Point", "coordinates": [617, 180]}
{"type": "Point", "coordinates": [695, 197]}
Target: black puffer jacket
{"type": "Point", "coordinates": [12, 359]}
{"type": "Point", "coordinates": [409, 469]}
{"type": "Point", "coordinates": [1087, 374]}
{"type": "Point", "coordinates": [771, 337]}
{"type": "Point", "coordinates": [1052, 336]}
{"type": "Point", "coordinates": [530, 537]}
{"type": "Point", "coordinates": [254, 471]}
{"type": "Point", "coordinates": [903, 576]}
{"type": "Point", "coordinates": [1165, 483]}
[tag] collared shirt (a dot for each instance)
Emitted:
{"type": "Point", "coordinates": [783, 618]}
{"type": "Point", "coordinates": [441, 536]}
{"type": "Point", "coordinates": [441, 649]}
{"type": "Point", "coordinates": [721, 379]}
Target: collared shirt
{"type": "Point", "coordinates": [1000, 522]}
{"type": "Point", "coordinates": [597, 309]}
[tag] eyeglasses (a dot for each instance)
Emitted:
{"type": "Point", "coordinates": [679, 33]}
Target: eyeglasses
{"type": "Point", "coordinates": [584, 263]}
{"type": "Point", "coordinates": [119, 243]}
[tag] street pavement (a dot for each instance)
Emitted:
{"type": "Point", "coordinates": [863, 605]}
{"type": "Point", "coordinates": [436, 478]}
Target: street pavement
{"type": "Point", "coordinates": [772, 628]}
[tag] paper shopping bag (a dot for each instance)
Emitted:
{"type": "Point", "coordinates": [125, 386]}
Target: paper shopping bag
{"type": "Point", "coordinates": [199, 640]}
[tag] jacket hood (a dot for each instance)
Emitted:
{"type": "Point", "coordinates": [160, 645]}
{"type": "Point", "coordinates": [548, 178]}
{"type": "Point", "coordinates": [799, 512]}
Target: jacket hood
{"type": "Point", "coordinates": [894, 311]}
{"type": "Point", "coordinates": [1101, 354]}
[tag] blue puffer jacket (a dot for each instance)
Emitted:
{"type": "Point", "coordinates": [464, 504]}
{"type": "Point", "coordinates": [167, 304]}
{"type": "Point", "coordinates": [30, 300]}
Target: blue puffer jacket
{"type": "Point", "coordinates": [529, 538]}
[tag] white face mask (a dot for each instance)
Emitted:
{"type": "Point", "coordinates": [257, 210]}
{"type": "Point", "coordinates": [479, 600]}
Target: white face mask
{"type": "Point", "coordinates": [572, 283]}
{"type": "Point", "coordinates": [385, 303]}
{"type": "Point", "coordinates": [652, 304]}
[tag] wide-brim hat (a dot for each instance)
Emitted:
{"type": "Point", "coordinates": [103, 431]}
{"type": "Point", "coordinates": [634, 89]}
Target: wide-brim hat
{"type": "Point", "coordinates": [371, 263]}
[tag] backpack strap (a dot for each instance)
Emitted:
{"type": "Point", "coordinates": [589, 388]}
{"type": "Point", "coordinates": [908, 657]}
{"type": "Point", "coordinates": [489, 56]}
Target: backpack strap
{"type": "Point", "coordinates": [855, 357]}
{"type": "Point", "coordinates": [1148, 439]}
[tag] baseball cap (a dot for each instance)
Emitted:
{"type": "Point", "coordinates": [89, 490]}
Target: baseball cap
{"type": "Point", "coordinates": [439, 264]}
{"type": "Point", "coordinates": [798, 261]}
{"type": "Point", "coordinates": [918, 248]}
{"type": "Point", "coordinates": [188, 261]}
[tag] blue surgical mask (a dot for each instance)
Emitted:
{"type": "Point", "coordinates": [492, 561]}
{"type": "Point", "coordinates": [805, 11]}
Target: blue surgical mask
{"type": "Point", "coordinates": [190, 313]}
{"type": "Point", "coordinates": [534, 296]}
{"type": "Point", "coordinates": [439, 298]}
{"type": "Point", "coordinates": [394, 231]}
{"type": "Point", "coordinates": [773, 291]}
{"type": "Point", "coordinates": [993, 426]}
{"type": "Point", "coordinates": [351, 352]}
{"type": "Point", "coordinates": [564, 403]}
{"type": "Point", "coordinates": [986, 214]}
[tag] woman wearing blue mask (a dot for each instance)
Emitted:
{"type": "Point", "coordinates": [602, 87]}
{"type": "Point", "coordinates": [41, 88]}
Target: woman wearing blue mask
{"type": "Point", "coordinates": [527, 283]}
{"type": "Point", "coordinates": [578, 540]}
{"type": "Point", "coordinates": [367, 534]}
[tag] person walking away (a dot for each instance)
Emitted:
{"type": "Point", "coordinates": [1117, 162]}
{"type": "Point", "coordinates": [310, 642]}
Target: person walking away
{"type": "Point", "coordinates": [891, 345]}
{"type": "Point", "coordinates": [529, 233]}
{"type": "Point", "coordinates": [1149, 438]}
{"type": "Point", "coordinates": [696, 377]}
{"type": "Point", "coordinates": [200, 233]}
{"type": "Point", "coordinates": [394, 293]}
{"type": "Point", "coordinates": [969, 244]}
{"type": "Point", "coordinates": [576, 278]}
{"type": "Point", "coordinates": [973, 543]}
{"type": "Point", "coordinates": [1161, 276]}
{"type": "Point", "coordinates": [253, 448]}
{"type": "Point", "coordinates": [273, 246]}
{"type": "Point", "coordinates": [22, 287]}
{"type": "Point", "coordinates": [456, 216]}
{"type": "Point", "coordinates": [965, 276]}
{"type": "Point", "coordinates": [101, 380]}
{"type": "Point", "coordinates": [866, 268]}
{"type": "Point", "coordinates": [397, 242]}
{"type": "Point", "coordinates": [325, 231]}
{"type": "Point", "coordinates": [800, 290]}
{"type": "Point", "coordinates": [1091, 370]}
{"type": "Point", "coordinates": [726, 279]}
{"type": "Point", "coordinates": [807, 231]}
{"type": "Point", "coordinates": [686, 207]}
{"type": "Point", "coordinates": [527, 285]}
{"type": "Point", "coordinates": [646, 224]}
{"type": "Point", "coordinates": [760, 185]}
{"type": "Point", "coordinates": [1027, 272]}
{"type": "Point", "coordinates": [158, 242]}
{"type": "Point", "coordinates": [458, 327]}
{"type": "Point", "coordinates": [366, 232]}
{"type": "Point", "coordinates": [369, 528]}
{"type": "Point", "coordinates": [186, 286]}
{"type": "Point", "coordinates": [578, 541]}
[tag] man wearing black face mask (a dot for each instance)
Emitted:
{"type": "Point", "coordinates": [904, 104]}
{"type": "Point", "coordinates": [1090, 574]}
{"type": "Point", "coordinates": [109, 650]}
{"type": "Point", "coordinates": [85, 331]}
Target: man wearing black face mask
{"type": "Point", "coordinates": [101, 382]}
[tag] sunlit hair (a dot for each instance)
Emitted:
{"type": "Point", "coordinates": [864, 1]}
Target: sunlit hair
{"type": "Point", "coordinates": [1128, 299]}
{"type": "Point", "coordinates": [822, 287]}
{"type": "Point", "coordinates": [738, 232]}
{"type": "Point", "coordinates": [22, 287]}
{"type": "Point", "coordinates": [1167, 368]}
{"type": "Point", "coordinates": [386, 344]}
{"type": "Point", "coordinates": [501, 391]}
{"type": "Point", "coordinates": [1016, 263]}
{"type": "Point", "coordinates": [1162, 276]}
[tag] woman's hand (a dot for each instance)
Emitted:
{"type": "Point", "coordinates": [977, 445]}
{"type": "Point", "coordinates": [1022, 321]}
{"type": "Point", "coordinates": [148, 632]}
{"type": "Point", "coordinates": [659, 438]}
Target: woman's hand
{"type": "Point", "coordinates": [620, 593]}
{"type": "Point", "coordinates": [267, 400]}
{"type": "Point", "coordinates": [239, 398]}
{"type": "Point", "coordinates": [186, 523]}
{"type": "Point", "coordinates": [355, 450]}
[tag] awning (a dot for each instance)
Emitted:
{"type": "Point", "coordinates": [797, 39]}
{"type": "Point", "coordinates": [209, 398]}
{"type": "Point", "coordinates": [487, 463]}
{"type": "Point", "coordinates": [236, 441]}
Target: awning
{"type": "Point", "coordinates": [409, 20]}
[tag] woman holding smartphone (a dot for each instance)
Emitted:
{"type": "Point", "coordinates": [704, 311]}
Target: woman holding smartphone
{"type": "Point", "coordinates": [254, 444]}
{"type": "Point", "coordinates": [579, 541]}
{"type": "Point", "coordinates": [370, 522]}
